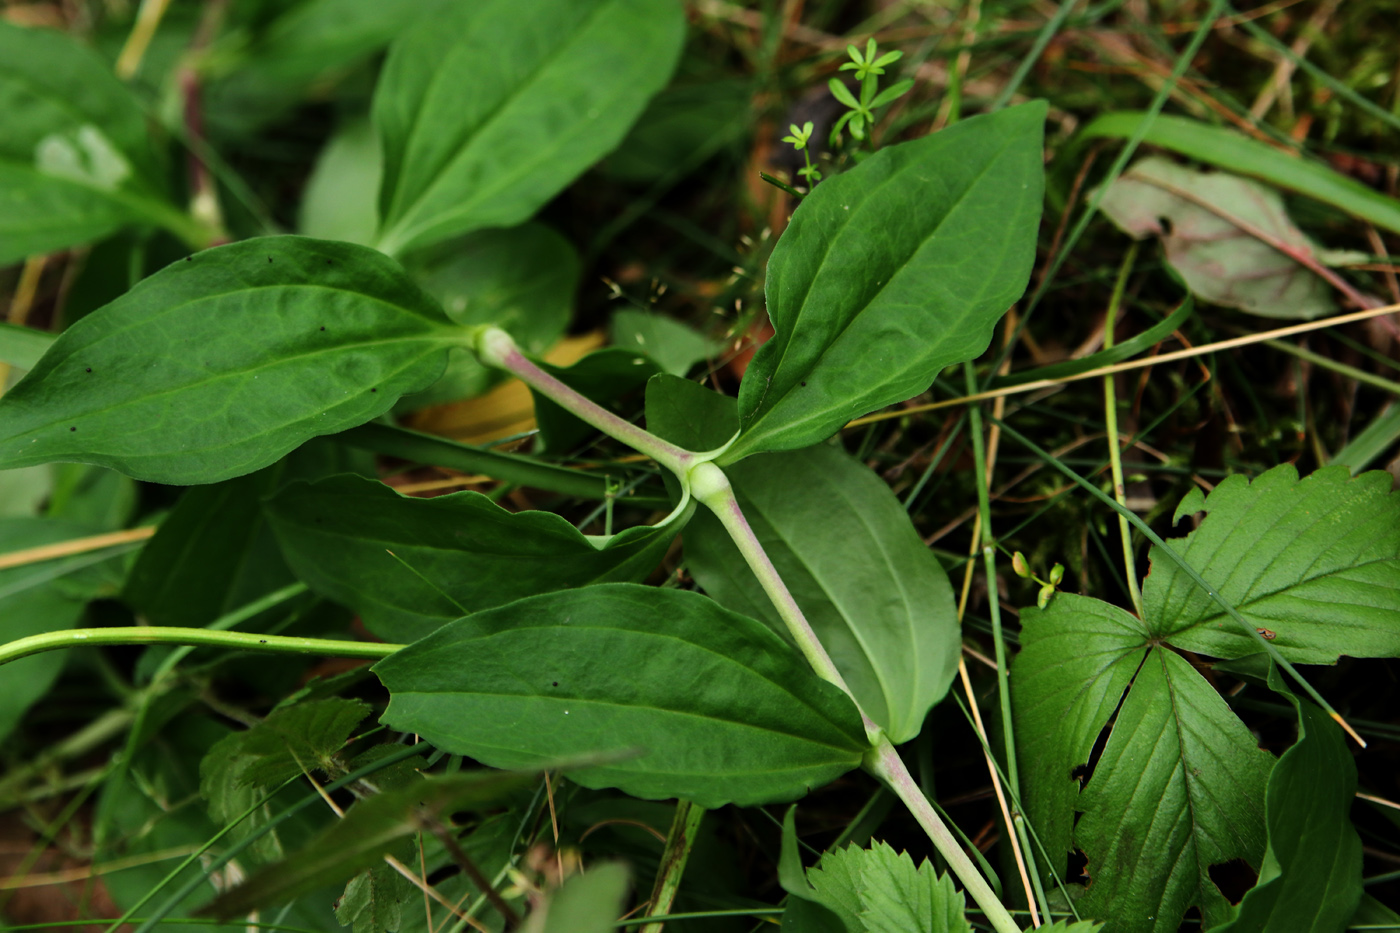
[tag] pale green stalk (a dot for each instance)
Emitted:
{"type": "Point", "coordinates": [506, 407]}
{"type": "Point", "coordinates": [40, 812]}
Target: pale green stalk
{"type": "Point", "coordinates": [679, 842]}
{"type": "Point", "coordinates": [1115, 455]}
{"type": "Point", "coordinates": [200, 637]}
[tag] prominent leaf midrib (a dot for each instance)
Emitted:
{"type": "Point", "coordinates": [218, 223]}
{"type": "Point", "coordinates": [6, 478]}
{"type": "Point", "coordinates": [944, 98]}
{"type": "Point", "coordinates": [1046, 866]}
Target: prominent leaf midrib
{"type": "Point", "coordinates": [1246, 603]}
{"type": "Point", "coordinates": [489, 118]}
{"type": "Point", "coordinates": [751, 428]}
{"type": "Point", "coordinates": [853, 629]}
{"type": "Point", "coordinates": [651, 708]}
{"type": "Point", "coordinates": [242, 374]}
{"type": "Point", "coordinates": [726, 660]}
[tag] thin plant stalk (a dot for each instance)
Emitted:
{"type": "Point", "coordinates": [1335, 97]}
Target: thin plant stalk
{"type": "Point", "coordinates": [982, 469]}
{"type": "Point", "coordinates": [679, 841]}
{"type": "Point", "coordinates": [201, 637]}
{"type": "Point", "coordinates": [1110, 404]}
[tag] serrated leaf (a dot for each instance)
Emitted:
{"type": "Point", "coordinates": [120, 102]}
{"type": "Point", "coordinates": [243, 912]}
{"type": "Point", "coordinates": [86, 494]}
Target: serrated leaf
{"type": "Point", "coordinates": [1180, 783]}
{"type": "Point", "coordinates": [878, 890]}
{"type": "Point", "coordinates": [409, 565]}
{"type": "Point", "coordinates": [719, 709]}
{"type": "Point", "coordinates": [75, 158]}
{"type": "Point", "coordinates": [890, 272]}
{"type": "Point", "coordinates": [1206, 221]}
{"type": "Point", "coordinates": [220, 364]}
{"type": "Point", "coordinates": [555, 85]}
{"type": "Point", "coordinates": [875, 595]}
{"type": "Point", "coordinates": [1315, 563]}
{"type": "Point", "coordinates": [585, 903]}
{"type": "Point", "coordinates": [1310, 881]}
{"type": "Point", "coordinates": [370, 829]}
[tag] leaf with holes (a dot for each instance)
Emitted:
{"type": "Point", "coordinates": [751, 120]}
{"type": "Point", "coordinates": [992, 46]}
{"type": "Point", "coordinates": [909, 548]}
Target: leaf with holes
{"type": "Point", "coordinates": [1180, 784]}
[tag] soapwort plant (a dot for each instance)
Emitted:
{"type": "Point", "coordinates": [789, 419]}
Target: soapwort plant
{"type": "Point", "coordinates": [258, 373]}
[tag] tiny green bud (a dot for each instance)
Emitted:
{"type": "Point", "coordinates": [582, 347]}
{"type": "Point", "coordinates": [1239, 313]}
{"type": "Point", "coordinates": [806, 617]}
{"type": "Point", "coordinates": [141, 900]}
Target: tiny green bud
{"type": "Point", "coordinates": [1042, 598]}
{"type": "Point", "coordinates": [1018, 564]}
{"type": "Point", "coordinates": [1057, 573]}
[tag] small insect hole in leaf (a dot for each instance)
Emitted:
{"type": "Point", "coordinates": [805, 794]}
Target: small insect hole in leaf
{"type": "Point", "coordinates": [1233, 878]}
{"type": "Point", "coordinates": [89, 369]}
{"type": "Point", "coordinates": [72, 429]}
{"type": "Point", "coordinates": [1077, 869]}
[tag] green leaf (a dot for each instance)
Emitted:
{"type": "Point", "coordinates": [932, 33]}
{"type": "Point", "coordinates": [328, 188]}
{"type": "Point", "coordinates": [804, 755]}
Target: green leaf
{"type": "Point", "coordinates": [1314, 563]}
{"type": "Point", "coordinates": [605, 376]}
{"type": "Point", "coordinates": [409, 565]}
{"type": "Point", "coordinates": [555, 85]}
{"type": "Point", "coordinates": [890, 272]}
{"type": "Point", "coordinates": [720, 709]}
{"type": "Point", "coordinates": [220, 364]}
{"type": "Point", "coordinates": [674, 346]}
{"type": "Point", "coordinates": [1180, 783]}
{"type": "Point", "coordinates": [522, 280]}
{"type": "Point", "coordinates": [215, 551]}
{"type": "Point", "coordinates": [585, 903]}
{"type": "Point", "coordinates": [308, 48]}
{"type": "Point", "coordinates": [875, 595]}
{"type": "Point", "coordinates": [290, 741]}
{"type": "Point", "coordinates": [1076, 926]}
{"type": "Point", "coordinates": [681, 128]}
{"type": "Point", "coordinates": [75, 158]}
{"type": "Point", "coordinates": [1206, 223]}
{"type": "Point", "coordinates": [1370, 442]}
{"type": "Point", "coordinates": [878, 890]}
{"type": "Point", "coordinates": [34, 599]}
{"type": "Point", "coordinates": [688, 414]}
{"type": "Point", "coordinates": [1235, 152]}
{"type": "Point", "coordinates": [370, 829]}
{"type": "Point", "coordinates": [338, 202]}
{"type": "Point", "coordinates": [21, 347]}
{"type": "Point", "coordinates": [1310, 881]}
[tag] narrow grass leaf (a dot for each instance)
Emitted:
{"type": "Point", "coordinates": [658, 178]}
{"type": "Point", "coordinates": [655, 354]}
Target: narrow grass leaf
{"type": "Point", "coordinates": [716, 708]}
{"type": "Point", "coordinates": [221, 364]}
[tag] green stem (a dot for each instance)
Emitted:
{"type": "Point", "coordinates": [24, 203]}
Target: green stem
{"type": "Point", "coordinates": [1115, 455]}
{"type": "Point", "coordinates": [710, 486]}
{"type": "Point", "coordinates": [202, 637]}
{"type": "Point", "coordinates": [679, 842]}
{"type": "Point", "coordinates": [884, 762]}
{"type": "Point", "coordinates": [495, 348]}
{"type": "Point", "coordinates": [1342, 369]}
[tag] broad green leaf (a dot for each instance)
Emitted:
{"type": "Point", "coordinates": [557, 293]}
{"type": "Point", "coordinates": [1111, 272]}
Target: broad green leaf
{"type": "Point", "coordinates": [718, 708]}
{"type": "Point", "coordinates": [875, 595]}
{"type": "Point", "coordinates": [75, 158]}
{"type": "Point", "coordinates": [103, 499]}
{"type": "Point", "coordinates": [674, 346]}
{"type": "Point", "coordinates": [21, 347]}
{"type": "Point", "coordinates": [890, 272]}
{"type": "Point", "coordinates": [1235, 152]}
{"type": "Point", "coordinates": [553, 86]}
{"type": "Point", "coordinates": [309, 47]}
{"type": "Point", "coordinates": [1206, 222]}
{"type": "Point", "coordinates": [1310, 881]}
{"type": "Point", "coordinates": [688, 414]}
{"type": "Point", "coordinates": [409, 565]}
{"type": "Point", "coordinates": [1314, 563]}
{"type": "Point", "coordinates": [220, 364]}
{"type": "Point", "coordinates": [290, 741]}
{"type": "Point", "coordinates": [605, 376]}
{"type": "Point", "coordinates": [370, 829]}
{"type": "Point", "coordinates": [1180, 784]}
{"type": "Point", "coordinates": [585, 903]}
{"type": "Point", "coordinates": [878, 890]}
{"type": "Point", "coordinates": [338, 201]}
{"type": "Point", "coordinates": [522, 280]}
{"type": "Point", "coordinates": [36, 598]}
{"type": "Point", "coordinates": [215, 551]}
